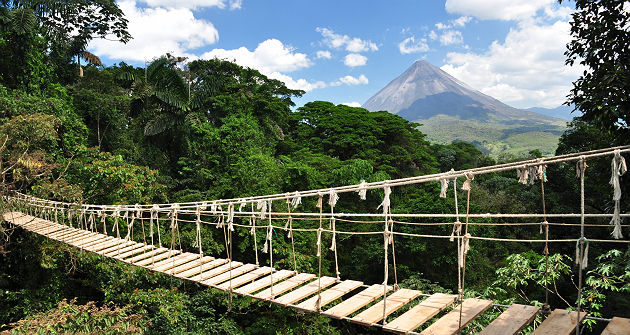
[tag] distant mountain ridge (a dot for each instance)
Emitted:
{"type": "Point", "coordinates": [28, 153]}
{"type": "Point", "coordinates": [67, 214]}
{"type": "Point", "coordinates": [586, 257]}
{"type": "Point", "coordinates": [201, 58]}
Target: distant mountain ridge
{"type": "Point", "coordinates": [453, 111]}
{"type": "Point", "coordinates": [561, 112]}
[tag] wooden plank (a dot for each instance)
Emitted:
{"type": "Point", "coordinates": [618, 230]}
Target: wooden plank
{"type": "Point", "coordinates": [264, 282]}
{"type": "Point", "coordinates": [151, 253]}
{"type": "Point", "coordinates": [329, 295]}
{"type": "Point", "coordinates": [120, 245]}
{"type": "Point", "coordinates": [617, 326]}
{"type": "Point", "coordinates": [61, 234]}
{"type": "Point", "coordinates": [52, 229]}
{"type": "Point", "coordinates": [449, 324]}
{"type": "Point", "coordinates": [33, 223]}
{"type": "Point", "coordinates": [155, 258]}
{"type": "Point", "coordinates": [420, 313]}
{"type": "Point", "coordinates": [393, 302]}
{"type": "Point", "coordinates": [133, 250]}
{"type": "Point", "coordinates": [197, 270]}
{"type": "Point", "coordinates": [187, 266]}
{"type": "Point", "coordinates": [356, 302]}
{"type": "Point", "coordinates": [103, 239]}
{"type": "Point", "coordinates": [216, 271]}
{"type": "Point", "coordinates": [108, 242]}
{"type": "Point", "coordinates": [226, 275]}
{"type": "Point", "coordinates": [246, 278]}
{"type": "Point", "coordinates": [512, 320]}
{"type": "Point", "coordinates": [276, 290]}
{"type": "Point", "coordinates": [174, 262]}
{"type": "Point", "coordinates": [38, 225]}
{"type": "Point", "coordinates": [85, 241]}
{"type": "Point", "coordinates": [74, 236]}
{"type": "Point", "coordinates": [305, 291]}
{"type": "Point", "coordinates": [559, 322]}
{"type": "Point", "coordinates": [13, 217]}
{"type": "Point", "coordinates": [45, 226]}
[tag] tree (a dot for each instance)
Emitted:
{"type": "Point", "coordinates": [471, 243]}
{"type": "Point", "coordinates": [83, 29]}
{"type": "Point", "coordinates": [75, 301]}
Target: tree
{"type": "Point", "coordinates": [65, 27]}
{"type": "Point", "coordinates": [601, 42]}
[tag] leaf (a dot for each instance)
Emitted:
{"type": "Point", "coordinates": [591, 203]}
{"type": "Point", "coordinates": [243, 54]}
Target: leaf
{"type": "Point", "coordinates": [158, 125]}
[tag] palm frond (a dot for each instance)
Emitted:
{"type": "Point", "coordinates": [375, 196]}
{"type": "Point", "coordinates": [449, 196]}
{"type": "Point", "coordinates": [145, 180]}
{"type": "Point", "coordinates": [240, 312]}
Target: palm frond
{"type": "Point", "coordinates": [91, 58]}
{"type": "Point", "coordinates": [159, 124]}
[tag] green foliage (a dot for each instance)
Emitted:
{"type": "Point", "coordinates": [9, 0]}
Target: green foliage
{"type": "Point", "coordinates": [600, 42]}
{"type": "Point", "coordinates": [110, 179]}
{"type": "Point", "coordinates": [68, 317]}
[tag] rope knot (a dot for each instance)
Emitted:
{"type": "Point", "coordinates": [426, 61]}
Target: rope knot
{"type": "Point", "coordinates": [619, 168]}
{"type": "Point", "coordinates": [319, 241]}
{"type": "Point", "coordinates": [444, 187]}
{"type": "Point", "coordinates": [386, 201]}
{"type": "Point", "coordinates": [523, 174]}
{"type": "Point", "coordinates": [457, 229]}
{"type": "Point", "coordinates": [333, 197]}
{"type": "Point", "coordinates": [581, 259]}
{"type": "Point", "coordinates": [297, 200]}
{"type": "Point", "coordinates": [465, 247]}
{"type": "Point", "coordinates": [580, 167]}
{"type": "Point", "coordinates": [469, 177]}
{"type": "Point", "coordinates": [362, 190]}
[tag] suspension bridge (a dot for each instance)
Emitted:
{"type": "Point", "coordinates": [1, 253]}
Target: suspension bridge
{"type": "Point", "coordinates": [109, 231]}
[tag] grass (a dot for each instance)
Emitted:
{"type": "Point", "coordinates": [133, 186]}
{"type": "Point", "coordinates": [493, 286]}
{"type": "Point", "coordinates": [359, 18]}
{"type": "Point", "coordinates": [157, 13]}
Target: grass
{"type": "Point", "coordinates": [493, 138]}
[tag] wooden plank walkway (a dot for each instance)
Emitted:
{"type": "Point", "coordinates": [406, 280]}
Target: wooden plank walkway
{"type": "Point", "coordinates": [617, 326]}
{"type": "Point", "coordinates": [559, 322]}
{"type": "Point", "coordinates": [303, 291]}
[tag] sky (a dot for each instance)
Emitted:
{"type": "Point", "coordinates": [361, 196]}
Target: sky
{"type": "Point", "coordinates": [345, 51]}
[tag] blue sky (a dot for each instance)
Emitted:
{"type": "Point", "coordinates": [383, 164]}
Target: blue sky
{"type": "Point", "coordinates": [344, 51]}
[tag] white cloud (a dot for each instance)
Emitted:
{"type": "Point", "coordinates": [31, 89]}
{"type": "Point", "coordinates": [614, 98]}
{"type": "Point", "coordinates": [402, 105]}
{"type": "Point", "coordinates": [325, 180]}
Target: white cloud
{"type": "Point", "coordinates": [526, 69]}
{"type": "Point", "coordinates": [433, 35]}
{"type": "Point", "coordinates": [351, 104]}
{"type": "Point", "coordinates": [441, 26]}
{"type": "Point", "coordinates": [324, 54]}
{"type": "Point", "coordinates": [268, 57]}
{"type": "Point", "coordinates": [351, 44]}
{"type": "Point", "coordinates": [271, 58]}
{"type": "Point", "coordinates": [300, 84]}
{"type": "Point", "coordinates": [353, 60]}
{"type": "Point", "coordinates": [497, 9]}
{"type": "Point", "coordinates": [450, 37]}
{"type": "Point", "coordinates": [157, 31]}
{"type": "Point", "coordinates": [410, 45]}
{"type": "Point", "coordinates": [232, 4]}
{"type": "Point", "coordinates": [351, 81]}
{"type": "Point", "coordinates": [461, 21]}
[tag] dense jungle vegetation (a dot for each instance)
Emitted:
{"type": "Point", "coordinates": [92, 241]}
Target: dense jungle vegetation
{"type": "Point", "coordinates": [74, 130]}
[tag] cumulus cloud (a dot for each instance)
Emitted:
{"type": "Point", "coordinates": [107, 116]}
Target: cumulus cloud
{"type": "Point", "coordinates": [268, 57]}
{"type": "Point", "coordinates": [271, 58]}
{"type": "Point", "coordinates": [351, 44]}
{"type": "Point", "coordinates": [351, 81]}
{"type": "Point", "coordinates": [461, 21]}
{"type": "Point", "coordinates": [354, 60]}
{"type": "Point", "coordinates": [450, 37]}
{"type": "Point", "coordinates": [351, 104]}
{"type": "Point", "coordinates": [157, 31]}
{"type": "Point", "coordinates": [300, 84]}
{"type": "Point", "coordinates": [526, 69]}
{"type": "Point", "coordinates": [232, 4]}
{"type": "Point", "coordinates": [410, 45]}
{"type": "Point", "coordinates": [497, 9]}
{"type": "Point", "coordinates": [323, 54]}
